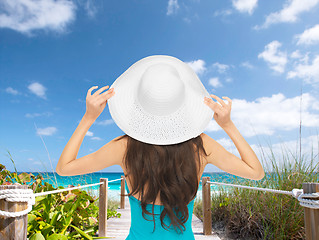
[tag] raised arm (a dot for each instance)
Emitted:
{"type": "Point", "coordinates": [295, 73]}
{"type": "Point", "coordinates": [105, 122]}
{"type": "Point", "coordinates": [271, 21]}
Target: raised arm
{"type": "Point", "coordinates": [68, 164]}
{"type": "Point", "coordinates": [248, 166]}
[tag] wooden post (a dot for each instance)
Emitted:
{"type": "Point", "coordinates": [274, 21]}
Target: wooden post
{"type": "Point", "coordinates": [13, 227]}
{"type": "Point", "coordinates": [103, 207]}
{"type": "Point", "coordinates": [311, 215]}
{"type": "Point", "coordinates": [122, 205]}
{"type": "Point", "coordinates": [206, 200]}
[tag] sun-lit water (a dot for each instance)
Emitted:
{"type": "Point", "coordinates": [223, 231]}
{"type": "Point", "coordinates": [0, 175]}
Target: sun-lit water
{"type": "Point", "coordinates": [115, 187]}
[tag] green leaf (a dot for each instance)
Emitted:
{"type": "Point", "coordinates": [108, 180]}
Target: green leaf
{"type": "Point", "coordinates": [78, 235]}
{"type": "Point", "coordinates": [31, 217]}
{"type": "Point", "coordinates": [46, 230]}
{"type": "Point", "coordinates": [67, 222]}
{"type": "Point", "coordinates": [54, 218]}
{"type": "Point", "coordinates": [83, 234]}
{"type": "Point", "coordinates": [56, 236]}
{"type": "Point", "coordinates": [37, 236]}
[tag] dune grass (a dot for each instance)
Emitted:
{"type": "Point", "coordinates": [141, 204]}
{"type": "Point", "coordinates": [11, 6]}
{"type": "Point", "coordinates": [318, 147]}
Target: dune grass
{"type": "Point", "coordinates": [252, 214]}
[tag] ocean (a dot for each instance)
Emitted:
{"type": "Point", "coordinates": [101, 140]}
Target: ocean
{"type": "Point", "coordinates": [115, 187]}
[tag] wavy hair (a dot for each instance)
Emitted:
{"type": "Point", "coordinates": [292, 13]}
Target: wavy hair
{"type": "Point", "coordinates": [170, 171]}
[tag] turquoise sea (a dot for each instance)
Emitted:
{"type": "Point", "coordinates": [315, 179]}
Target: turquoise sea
{"type": "Point", "coordinates": [114, 187]}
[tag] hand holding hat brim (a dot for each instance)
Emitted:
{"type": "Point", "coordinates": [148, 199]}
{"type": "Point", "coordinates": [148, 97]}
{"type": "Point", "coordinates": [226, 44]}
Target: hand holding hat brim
{"type": "Point", "coordinates": [96, 102]}
{"type": "Point", "coordinates": [221, 109]}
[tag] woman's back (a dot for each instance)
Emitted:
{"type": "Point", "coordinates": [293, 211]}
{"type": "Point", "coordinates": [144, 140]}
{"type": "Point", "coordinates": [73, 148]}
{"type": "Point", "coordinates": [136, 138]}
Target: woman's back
{"type": "Point", "coordinates": [144, 229]}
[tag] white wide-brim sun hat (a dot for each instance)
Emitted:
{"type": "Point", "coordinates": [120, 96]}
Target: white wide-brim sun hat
{"type": "Point", "coordinates": [160, 100]}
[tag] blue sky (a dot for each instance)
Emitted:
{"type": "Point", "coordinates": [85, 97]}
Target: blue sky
{"type": "Point", "coordinates": [264, 55]}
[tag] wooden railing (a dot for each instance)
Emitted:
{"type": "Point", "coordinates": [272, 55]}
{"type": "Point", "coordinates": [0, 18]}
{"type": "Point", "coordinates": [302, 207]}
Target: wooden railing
{"type": "Point", "coordinates": [16, 228]}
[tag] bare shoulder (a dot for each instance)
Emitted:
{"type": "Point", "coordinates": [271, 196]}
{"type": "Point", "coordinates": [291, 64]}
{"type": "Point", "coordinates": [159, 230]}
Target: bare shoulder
{"type": "Point", "coordinates": [120, 144]}
{"type": "Point", "coordinates": [114, 149]}
{"type": "Point", "coordinates": [214, 150]}
{"type": "Point", "coordinates": [208, 143]}
{"type": "Point", "coordinates": [122, 141]}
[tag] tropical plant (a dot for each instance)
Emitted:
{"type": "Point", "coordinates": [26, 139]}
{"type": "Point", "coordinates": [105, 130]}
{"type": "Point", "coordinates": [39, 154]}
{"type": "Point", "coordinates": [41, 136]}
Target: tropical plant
{"type": "Point", "coordinates": [72, 214]}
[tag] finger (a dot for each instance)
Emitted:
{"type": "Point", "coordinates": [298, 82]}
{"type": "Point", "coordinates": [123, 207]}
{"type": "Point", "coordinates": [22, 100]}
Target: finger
{"type": "Point", "coordinates": [229, 101]}
{"type": "Point", "coordinates": [106, 96]}
{"type": "Point", "coordinates": [110, 91]}
{"type": "Point", "coordinates": [90, 90]}
{"type": "Point", "coordinates": [219, 100]}
{"type": "Point", "coordinates": [100, 90]}
{"type": "Point", "coordinates": [213, 105]}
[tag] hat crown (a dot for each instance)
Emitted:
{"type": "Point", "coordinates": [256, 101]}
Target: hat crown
{"type": "Point", "coordinates": [160, 90]}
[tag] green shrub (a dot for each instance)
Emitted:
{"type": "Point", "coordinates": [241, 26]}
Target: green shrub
{"type": "Point", "coordinates": [72, 214]}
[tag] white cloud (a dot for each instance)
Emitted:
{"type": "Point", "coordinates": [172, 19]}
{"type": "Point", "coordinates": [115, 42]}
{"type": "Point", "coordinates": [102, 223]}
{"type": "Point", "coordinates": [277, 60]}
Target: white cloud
{"type": "Point", "coordinates": [308, 72]}
{"type": "Point", "coordinates": [296, 54]}
{"type": "Point", "coordinates": [33, 115]}
{"type": "Point", "coordinates": [215, 82]}
{"type": "Point", "coordinates": [105, 122]}
{"type": "Point", "coordinates": [309, 36]}
{"type": "Point", "coordinates": [96, 138]}
{"type": "Point", "coordinates": [247, 65]}
{"type": "Point", "coordinates": [172, 7]}
{"type": "Point", "coordinates": [266, 115]}
{"type": "Point", "coordinates": [89, 134]}
{"type": "Point", "coordinates": [290, 12]}
{"type": "Point", "coordinates": [37, 89]}
{"type": "Point", "coordinates": [198, 66]}
{"type": "Point", "coordinates": [12, 91]}
{"type": "Point", "coordinates": [212, 126]}
{"type": "Point", "coordinates": [297, 57]}
{"type": "Point", "coordinates": [46, 131]}
{"type": "Point", "coordinates": [223, 13]}
{"type": "Point", "coordinates": [221, 68]}
{"type": "Point", "coordinates": [247, 6]}
{"type": "Point", "coordinates": [275, 58]}
{"type": "Point", "coordinates": [26, 16]}
{"type": "Point", "coordinates": [90, 8]}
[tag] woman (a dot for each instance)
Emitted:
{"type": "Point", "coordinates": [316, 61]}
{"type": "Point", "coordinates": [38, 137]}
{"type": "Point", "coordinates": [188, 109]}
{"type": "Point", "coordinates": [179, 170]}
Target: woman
{"type": "Point", "coordinates": [162, 106]}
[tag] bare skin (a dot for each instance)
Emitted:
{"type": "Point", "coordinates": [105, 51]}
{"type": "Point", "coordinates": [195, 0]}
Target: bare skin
{"type": "Point", "coordinates": [112, 153]}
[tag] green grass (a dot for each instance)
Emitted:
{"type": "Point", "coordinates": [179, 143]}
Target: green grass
{"type": "Point", "coordinates": [253, 214]}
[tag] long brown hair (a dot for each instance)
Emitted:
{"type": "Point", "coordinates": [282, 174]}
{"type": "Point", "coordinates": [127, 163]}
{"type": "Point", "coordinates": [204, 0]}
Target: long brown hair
{"type": "Point", "coordinates": [168, 170]}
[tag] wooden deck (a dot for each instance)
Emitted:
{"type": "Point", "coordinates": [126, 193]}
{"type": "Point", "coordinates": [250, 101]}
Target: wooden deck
{"type": "Point", "coordinates": [118, 228]}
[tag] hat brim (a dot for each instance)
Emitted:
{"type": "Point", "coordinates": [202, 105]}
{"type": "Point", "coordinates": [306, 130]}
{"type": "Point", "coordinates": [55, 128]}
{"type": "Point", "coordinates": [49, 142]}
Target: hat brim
{"type": "Point", "coordinates": [189, 121]}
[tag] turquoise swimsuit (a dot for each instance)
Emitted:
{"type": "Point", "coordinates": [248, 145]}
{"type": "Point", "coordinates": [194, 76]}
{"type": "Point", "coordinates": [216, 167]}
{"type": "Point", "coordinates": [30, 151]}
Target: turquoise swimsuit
{"type": "Point", "coordinates": [142, 229]}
